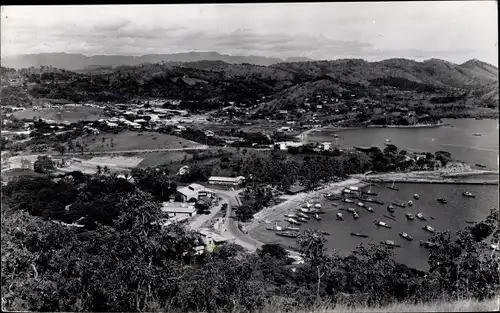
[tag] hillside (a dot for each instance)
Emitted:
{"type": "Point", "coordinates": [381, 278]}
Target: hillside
{"type": "Point", "coordinates": [71, 61]}
{"type": "Point", "coordinates": [285, 85]}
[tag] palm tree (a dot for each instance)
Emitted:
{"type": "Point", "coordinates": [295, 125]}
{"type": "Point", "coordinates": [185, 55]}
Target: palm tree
{"type": "Point", "coordinates": [106, 169]}
{"type": "Point", "coordinates": [99, 171]}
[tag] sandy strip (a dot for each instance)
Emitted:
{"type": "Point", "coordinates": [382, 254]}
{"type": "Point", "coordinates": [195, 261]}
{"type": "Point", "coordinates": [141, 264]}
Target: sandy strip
{"type": "Point", "coordinates": [277, 211]}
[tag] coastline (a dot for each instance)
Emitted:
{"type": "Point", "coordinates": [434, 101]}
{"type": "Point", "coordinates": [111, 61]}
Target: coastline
{"type": "Point", "coordinates": [277, 211]}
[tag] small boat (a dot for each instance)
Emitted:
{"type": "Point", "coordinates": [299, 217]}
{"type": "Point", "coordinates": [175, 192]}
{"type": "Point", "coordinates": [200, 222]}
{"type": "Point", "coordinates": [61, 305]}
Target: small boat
{"type": "Point", "coordinates": [410, 203]}
{"type": "Point", "coordinates": [478, 134]}
{"type": "Point", "coordinates": [303, 220]}
{"type": "Point", "coordinates": [390, 243]}
{"type": "Point", "coordinates": [293, 221]}
{"type": "Point", "coordinates": [432, 217]}
{"type": "Point", "coordinates": [429, 229]}
{"type": "Point", "coordinates": [390, 208]}
{"type": "Point", "coordinates": [369, 192]}
{"type": "Point", "coordinates": [291, 215]}
{"type": "Point", "coordinates": [421, 216]}
{"type": "Point", "coordinates": [287, 234]}
{"type": "Point", "coordinates": [382, 224]}
{"type": "Point", "coordinates": [317, 217]}
{"type": "Point", "coordinates": [350, 210]}
{"type": "Point", "coordinates": [360, 204]}
{"type": "Point", "coordinates": [442, 200]}
{"type": "Point", "coordinates": [325, 233]}
{"type": "Point", "coordinates": [335, 204]}
{"type": "Point", "coordinates": [347, 200]}
{"type": "Point", "coordinates": [317, 206]}
{"type": "Point", "coordinates": [427, 244]}
{"type": "Point", "coordinates": [355, 215]}
{"type": "Point", "coordinates": [468, 194]}
{"type": "Point", "coordinates": [304, 210]}
{"type": "Point", "coordinates": [340, 217]}
{"type": "Point", "coordinates": [392, 186]}
{"type": "Point", "coordinates": [359, 235]}
{"type": "Point", "coordinates": [378, 202]}
{"type": "Point", "coordinates": [390, 217]}
{"type": "Point", "coordinates": [353, 188]}
{"type": "Point", "coordinates": [416, 196]}
{"type": "Point", "coordinates": [300, 214]}
{"type": "Point", "coordinates": [481, 165]}
{"type": "Point", "coordinates": [406, 236]}
{"type": "Point", "coordinates": [410, 216]}
{"type": "Point", "coordinates": [369, 209]}
{"type": "Point", "coordinates": [401, 205]}
{"type": "Point", "coordinates": [387, 140]}
{"type": "Point", "coordinates": [292, 228]}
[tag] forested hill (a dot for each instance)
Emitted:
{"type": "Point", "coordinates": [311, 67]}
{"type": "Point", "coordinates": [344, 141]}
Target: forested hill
{"type": "Point", "coordinates": [285, 85]}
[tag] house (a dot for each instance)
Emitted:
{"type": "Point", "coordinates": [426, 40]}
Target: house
{"type": "Point", "coordinates": [209, 133]}
{"type": "Point", "coordinates": [326, 145]}
{"type": "Point", "coordinates": [284, 129]}
{"type": "Point", "coordinates": [295, 189]}
{"type": "Point", "coordinates": [285, 144]}
{"type": "Point", "coordinates": [210, 239]}
{"type": "Point", "coordinates": [174, 209]}
{"type": "Point", "coordinates": [218, 180]}
{"type": "Point", "coordinates": [283, 112]}
{"type": "Point", "coordinates": [190, 192]}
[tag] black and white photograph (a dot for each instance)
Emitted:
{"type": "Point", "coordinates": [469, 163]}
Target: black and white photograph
{"type": "Point", "coordinates": [301, 157]}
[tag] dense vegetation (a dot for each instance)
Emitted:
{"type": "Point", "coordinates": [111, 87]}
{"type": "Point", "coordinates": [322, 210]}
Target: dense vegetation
{"type": "Point", "coordinates": [120, 260]}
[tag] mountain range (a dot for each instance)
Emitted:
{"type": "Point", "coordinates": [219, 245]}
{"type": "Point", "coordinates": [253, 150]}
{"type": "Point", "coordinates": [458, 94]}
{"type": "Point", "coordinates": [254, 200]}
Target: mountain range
{"type": "Point", "coordinates": [70, 61]}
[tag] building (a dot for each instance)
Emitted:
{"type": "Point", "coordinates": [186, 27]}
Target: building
{"type": "Point", "coordinates": [285, 144]}
{"type": "Point", "coordinates": [174, 209]}
{"type": "Point", "coordinates": [326, 145]}
{"type": "Point", "coordinates": [218, 180]}
{"type": "Point", "coordinates": [190, 192]}
{"type": "Point", "coordinates": [211, 239]}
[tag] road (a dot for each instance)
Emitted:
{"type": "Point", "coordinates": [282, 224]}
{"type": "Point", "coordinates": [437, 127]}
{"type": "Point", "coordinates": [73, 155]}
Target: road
{"type": "Point", "coordinates": [201, 147]}
{"type": "Point", "coordinates": [231, 230]}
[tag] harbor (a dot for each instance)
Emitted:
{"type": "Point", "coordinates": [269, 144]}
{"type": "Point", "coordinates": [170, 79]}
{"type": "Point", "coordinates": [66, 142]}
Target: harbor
{"type": "Point", "coordinates": [417, 221]}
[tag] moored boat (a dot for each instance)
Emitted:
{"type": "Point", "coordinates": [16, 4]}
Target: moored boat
{"type": "Point", "coordinates": [401, 205]}
{"type": "Point", "coordinates": [382, 224]}
{"type": "Point", "coordinates": [347, 200]}
{"type": "Point", "coordinates": [355, 215]}
{"type": "Point", "coordinates": [359, 235]}
{"type": "Point", "coordinates": [410, 216]}
{"type": "Point", "coordinates": [293, 221]}
{"type": "Point", "coordinates": [350, 210]}
{"type": "Point", "coordinates": [416, 196]}
{"type": "Point", "coordinates": [421, 216]}
{"type": "Point", "coordinates": [468, 194]}
{"type": "Point", "coordinates": [360, 204]}
{"type": "Point", "coordinates": [317, 217]}
{"type": "Point", "coordinates": [339, 216]}
{"type": "Point", "coordinates": [378, 202]}
{"type": "Point", "coordinates": [427, 244]}
{"type": "Point", "coordinates": [291, 215]}
{"type": "Point", "coordinates": [410, 203]}
{"type": "Point", "coordinates": [292, 228]}
{"type": "Point", "coordinates": [392, 186]}
{"type": "Point", "coordinates": [304, 210]}
{"type": "Point", "coordinates": [390, 208]}
{"type": "Point", "coordinates": [390, 217]}
{"type": "Point", "coordinates": [406, 236]}
{"type": "Point", "coordinates": [369, 209]}
{"type": "Point", "coordinates": [480, 165]}
{"type": "Point", "coordinates": [429, 229]}
{"type": "Point", "coordinates": [390, 243]}
{"type": "Point", "coordinates": [300, 214]}
{"type": "Point", "coordinates": [442, 200]}
{"type": "Point", "coordinates": [290, 234]}
{"type": "Point", "coordinates": [301, 219]}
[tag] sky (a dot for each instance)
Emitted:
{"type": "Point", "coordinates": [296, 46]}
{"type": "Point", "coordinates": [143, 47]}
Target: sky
{"type": "Point", "coordinates": [454, 31]}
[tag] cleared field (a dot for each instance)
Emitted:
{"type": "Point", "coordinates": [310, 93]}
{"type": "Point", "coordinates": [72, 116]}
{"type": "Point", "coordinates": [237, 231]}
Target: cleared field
{"type": "Point", "coordinates": [70, 114]}
{"type": "Point", "coordinates": [129, 140]}
{"type": "Point", "coordinates": [164, 157]}
{"type": "Point", "coordinates": [118, 164]}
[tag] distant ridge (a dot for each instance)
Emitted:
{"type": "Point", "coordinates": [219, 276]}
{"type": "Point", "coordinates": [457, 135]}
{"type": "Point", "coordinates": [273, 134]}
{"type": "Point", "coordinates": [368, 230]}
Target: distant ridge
{"type": "Point", "coordinates": [72, 61]}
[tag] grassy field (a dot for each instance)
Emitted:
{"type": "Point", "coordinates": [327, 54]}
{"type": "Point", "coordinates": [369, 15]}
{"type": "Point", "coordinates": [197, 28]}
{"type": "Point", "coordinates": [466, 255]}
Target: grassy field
{"type": "Point", "coordinates": [70, 114]}
{"type": "Point", "coordinates": [129, 140]}
{"type": "Point", "coordinates": [163, 157]}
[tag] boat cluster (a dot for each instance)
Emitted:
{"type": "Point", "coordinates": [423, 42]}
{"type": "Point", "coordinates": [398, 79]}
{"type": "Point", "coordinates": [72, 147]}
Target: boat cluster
{"type": "Point", "coordinates": [302, 215]}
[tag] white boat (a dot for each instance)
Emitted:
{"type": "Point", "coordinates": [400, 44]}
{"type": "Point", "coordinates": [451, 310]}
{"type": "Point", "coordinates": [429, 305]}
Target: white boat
{"type": "Point", "coordinates": [410, 203]}
{"type": "Point", "coordinates": [387, 140]}
{"type": "Point", "coordinates": [355, 215]}
{"type": "Point", "coordinates": [353, 188]}
{"type": "Point", "coordinates": [351, 210]}
{"type": "Point", "coordinates": [383, 224]}
{"type": "Point", "coordinates": [347, 200]}
{"type": "Point", "coordinates": [293, 221]}
{"type": "Point", "coordinates": [292, 228]}
{"type": "Point", "coordinates": [291, 215]}
{"type": "Point", "coordinates": [317, 205]}
{"type": "Point", "coordinates": [421, 216]}
{"type": "Point", "coordinates": [360, 204]}
{"type": "Point", "coordinates": [370, 209]}
{"type": "Point", "coordinates": [416, 196]}
{"type": "Point", "coordinates": [304, 210]}
{"type": "Point", "coordinates": [317, 217]}
{"type": "Point", "coordinates": [428, 228]}
{"type": "Point", "coordinates": [339, 216]}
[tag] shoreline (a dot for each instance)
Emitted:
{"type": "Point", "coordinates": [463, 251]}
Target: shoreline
{"type": "Point", "coordinates": [273, 212]}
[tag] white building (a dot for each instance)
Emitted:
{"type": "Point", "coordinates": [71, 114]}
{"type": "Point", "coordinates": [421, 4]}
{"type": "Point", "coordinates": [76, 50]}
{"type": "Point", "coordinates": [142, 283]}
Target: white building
{"type": "Point", "coordinates": [285, 144]}
{"type": "Point", "coordinates": [175, 209]}
{"type": "Point", "coordinates": [190, 192]}
{"type": "Point", "coordinates": [218, 180]}
{"type": "Point", "coordinates": [326, 145]}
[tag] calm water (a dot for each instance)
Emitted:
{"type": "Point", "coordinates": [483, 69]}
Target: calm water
{"type": "Point", "coordinates": [458, 139]}
{"type": "Point", "coordinates": [451, 216]}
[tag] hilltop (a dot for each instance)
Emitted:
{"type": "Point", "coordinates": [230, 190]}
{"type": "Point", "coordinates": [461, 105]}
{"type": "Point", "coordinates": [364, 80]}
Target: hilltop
{"type": "Point", "coordinates": [284, 85]}
{"type": "Point", "coordinates": [73, 61]}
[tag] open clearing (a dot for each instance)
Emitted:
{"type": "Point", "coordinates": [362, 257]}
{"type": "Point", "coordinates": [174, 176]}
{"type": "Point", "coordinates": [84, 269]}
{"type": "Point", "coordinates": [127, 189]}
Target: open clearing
{"type": "Point", "coordinates": [129, 140]}
{"type": "Point", "coordinates": [70, 114]}
{"type": "Point", "coordinates": [163, 157]}
{"type": "Point", "coordinates": [118, 164]}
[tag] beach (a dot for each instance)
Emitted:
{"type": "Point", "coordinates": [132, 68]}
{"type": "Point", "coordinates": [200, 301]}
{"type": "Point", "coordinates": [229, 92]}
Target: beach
{"type": "Point", "coordinates": [293, 201]}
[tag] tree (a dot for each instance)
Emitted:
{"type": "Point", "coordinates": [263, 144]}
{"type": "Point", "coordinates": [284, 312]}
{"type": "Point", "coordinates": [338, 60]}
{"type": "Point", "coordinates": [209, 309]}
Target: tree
{"type": "Point", "coordinates": [106, 169]}
{"type": "Point", "coordinates": [99, 170]}
{"type": "Point", "coordinates": [61, 149]}
{"type": "Point", "coordinates": [43, 164]}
